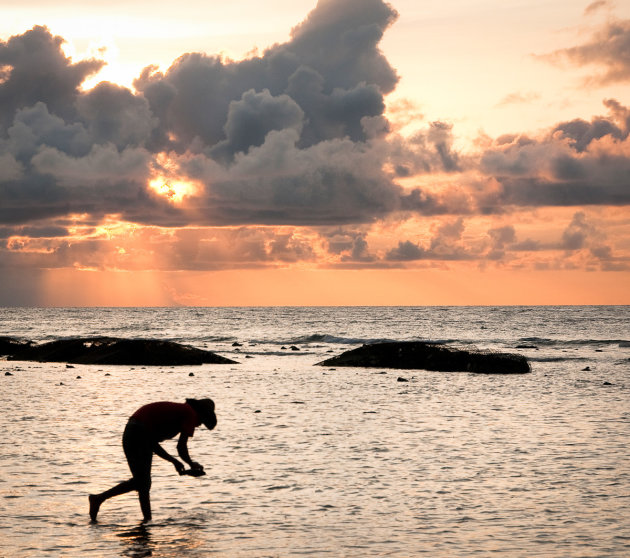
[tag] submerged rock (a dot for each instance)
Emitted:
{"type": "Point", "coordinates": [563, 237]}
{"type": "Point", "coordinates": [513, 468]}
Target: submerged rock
{"type": "Point", "coordinates": [430, 356]}
{"type": "Point", "coordinates": [112, 350]}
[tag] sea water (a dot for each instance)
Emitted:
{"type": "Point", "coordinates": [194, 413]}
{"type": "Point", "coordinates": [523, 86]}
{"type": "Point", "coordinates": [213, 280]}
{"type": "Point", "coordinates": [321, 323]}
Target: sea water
{"type": "Point", "coordinates": [310, 460]}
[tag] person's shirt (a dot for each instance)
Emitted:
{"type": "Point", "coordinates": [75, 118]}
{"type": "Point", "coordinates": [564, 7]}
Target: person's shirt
{"type": "Point", "coordinates": [165, 419]}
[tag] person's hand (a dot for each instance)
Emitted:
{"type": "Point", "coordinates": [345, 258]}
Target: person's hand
{"type": "Point", "coordinates": [179, 467]}
{"type": "Point", "coordinates": [196, 466]}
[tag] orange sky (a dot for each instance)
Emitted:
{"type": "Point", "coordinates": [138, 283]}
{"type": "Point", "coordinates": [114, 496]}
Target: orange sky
{"type": "Point", "coordinates": [476, 153]}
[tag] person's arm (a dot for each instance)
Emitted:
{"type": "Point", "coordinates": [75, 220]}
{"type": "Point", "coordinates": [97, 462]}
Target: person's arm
{"type": "Point", "coordinates": [161, 452]}
{"type": "Point", "coordinates": [182, 449]}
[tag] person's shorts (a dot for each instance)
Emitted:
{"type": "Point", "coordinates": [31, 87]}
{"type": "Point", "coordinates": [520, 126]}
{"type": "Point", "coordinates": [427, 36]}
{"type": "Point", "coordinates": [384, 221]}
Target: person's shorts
{"type": "Point", "coordinates": [139, 452]}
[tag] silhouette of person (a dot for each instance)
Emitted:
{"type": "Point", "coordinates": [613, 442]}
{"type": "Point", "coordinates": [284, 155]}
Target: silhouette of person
{"type": "Point", "coordinates": [147, 427]}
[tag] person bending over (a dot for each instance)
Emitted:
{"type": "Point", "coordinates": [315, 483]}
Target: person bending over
{"type": "Point", "coordinates": [146, 428]}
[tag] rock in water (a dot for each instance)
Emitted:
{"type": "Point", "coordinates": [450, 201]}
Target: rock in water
{"type": "Point", "coordinates": [430, 356]}
{"type": "Point", "coordinates": [112, 350]}
{"type": "Point", "coordinates": [11, 345]}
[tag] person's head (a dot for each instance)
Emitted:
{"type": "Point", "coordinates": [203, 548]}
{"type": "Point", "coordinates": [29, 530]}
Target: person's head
{"type": "Point", "coordinates": [205, 410]}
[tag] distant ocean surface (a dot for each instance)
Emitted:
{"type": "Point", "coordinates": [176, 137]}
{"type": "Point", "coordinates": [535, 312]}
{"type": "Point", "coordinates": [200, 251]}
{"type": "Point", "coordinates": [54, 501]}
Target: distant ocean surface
{"type": "Point", "coordinates": [309, 460]}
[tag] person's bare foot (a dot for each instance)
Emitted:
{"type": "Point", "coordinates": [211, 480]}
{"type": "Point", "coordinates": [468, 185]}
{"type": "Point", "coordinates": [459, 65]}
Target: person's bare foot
{"type": "Point", "coordinates": [95, 504]}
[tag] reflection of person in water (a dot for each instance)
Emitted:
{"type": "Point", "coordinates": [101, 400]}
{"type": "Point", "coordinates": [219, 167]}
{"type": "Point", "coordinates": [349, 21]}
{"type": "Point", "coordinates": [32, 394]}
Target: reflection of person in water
{"type": "Point", "coordinates": [146, 428]}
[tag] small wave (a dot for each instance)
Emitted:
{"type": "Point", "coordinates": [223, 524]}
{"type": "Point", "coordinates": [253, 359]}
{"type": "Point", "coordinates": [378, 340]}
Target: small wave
{"type": "Point", "coordinates": [218, 339]}
{"type": "Point", "coordinates": [555, 359]}
{"type": "Point", "coordinates": [543, 341]}
{"type": "Point", "coordinates": [338, 340]}
{"type": "Point", "coordinates": [331, 339]}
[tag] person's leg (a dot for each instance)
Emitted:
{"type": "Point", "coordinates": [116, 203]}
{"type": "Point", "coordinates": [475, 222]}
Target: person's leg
{"type": "Point", "coordinates": [97, 499]}
{"type": "Point", "coordinates": [139, 452]}
{"type": "Point", "coordinates": [145, 503]}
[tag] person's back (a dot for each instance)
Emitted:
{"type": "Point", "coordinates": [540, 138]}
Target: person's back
{"type": "Point", "coordinates": [165, 419]}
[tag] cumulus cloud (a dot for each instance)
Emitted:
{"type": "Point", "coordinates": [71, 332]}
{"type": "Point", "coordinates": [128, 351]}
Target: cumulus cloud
{"type": "Point", "coordinates": [406, 251]}
{"type": "Point", "coordinates": [445, 245]}
{"type": "Point", "coordinates": [575, 235]}
{"type": "Point", "coordinates": [332, 69]}
{"type": "Point", "coordinates": [291, 136]}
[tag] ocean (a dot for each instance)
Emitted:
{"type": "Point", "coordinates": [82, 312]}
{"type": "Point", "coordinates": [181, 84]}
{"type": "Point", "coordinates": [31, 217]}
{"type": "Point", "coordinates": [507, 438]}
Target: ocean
{"type": "Point", "coordinates": [310, 460]}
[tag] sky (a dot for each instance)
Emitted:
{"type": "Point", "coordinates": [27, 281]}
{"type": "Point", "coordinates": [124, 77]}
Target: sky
{"type": "Point", "coordinates": [331, 152]}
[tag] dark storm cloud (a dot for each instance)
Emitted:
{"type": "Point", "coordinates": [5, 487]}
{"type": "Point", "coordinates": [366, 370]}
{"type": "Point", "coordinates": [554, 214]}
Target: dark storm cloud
{"type": "Point", "coordinates": [609, 48]}
{"type": "Point", "coordinates": [331, 68]}
{"type": "Point", "coordinates": [292, 136]}
{"type": "Point", "coordinates": [33, 68]}
{"type": "Point", "coordinates": [64, 151]}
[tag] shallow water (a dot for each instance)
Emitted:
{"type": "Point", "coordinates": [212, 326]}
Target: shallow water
{"type": "Point", "coordinates": [345, 462]}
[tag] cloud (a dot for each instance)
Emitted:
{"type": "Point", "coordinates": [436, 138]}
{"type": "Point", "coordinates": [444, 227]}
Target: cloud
{"type": "Point", "coordinates": [112, 114]}
{"type": "Point", "coordinates": [289, 137]}
{"type": "Point", "coordinates": [282, 158]}
{"type": "Point", "coordinates": [445, 245]}
{"type": "Point", "coordinates": [588, 244]}
{"type": "Point", "coordinates": [597, 5]}
{"type": "Point", "coordinates": [331, 68]}
{"type": "Point", "coordinates": [251, 118]}
{"type": "Point", "coordinates": [34, 69]}
{"type": "Point", "coordinates": [575, 163]}
{"type": "Point", "coordinates": [406, 251]}
{"type": "Point", "coordinates": [518, 98]}
{"type": "Point", "coordinates": [608, 48]}
{"type": "Point", "coordinates": [575, 235]}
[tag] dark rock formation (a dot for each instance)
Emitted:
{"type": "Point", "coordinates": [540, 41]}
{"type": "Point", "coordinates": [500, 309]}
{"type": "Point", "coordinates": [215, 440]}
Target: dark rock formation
{"type": "Point", "coordinates": [430, 356]}
{"type": "Point", "coordinates": [111, 350]}
{"type": "Point", "coordinates": [9, 345]}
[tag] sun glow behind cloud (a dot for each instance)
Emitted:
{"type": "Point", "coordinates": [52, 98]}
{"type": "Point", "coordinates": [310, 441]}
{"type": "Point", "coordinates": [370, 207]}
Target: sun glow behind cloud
{"type": "Point", "coordinates": [173, 190]}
